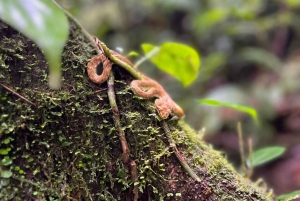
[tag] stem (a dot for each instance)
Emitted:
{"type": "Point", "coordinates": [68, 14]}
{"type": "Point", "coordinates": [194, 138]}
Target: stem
{"type": "Point", "coordinates": [134, 177]}
{"type": "Point", "coordinates": [185, 165]}
{"type": "Point", "coordinates": [178, 155]}
{"type": "Point", "coordinates": [20, 96]}
{"type": "Point", "coordinates": [241, 145]}
{"type": "Point", "coordinates": [116, 117]}
{"type": "Point", "coordinates": [124, 144]}
{"type": "Point", "coordinates": [122, 64]}
{"type": "Point", "coordinates": [146, 57]}
{"type": "Point", "coordinates": [250, 146]}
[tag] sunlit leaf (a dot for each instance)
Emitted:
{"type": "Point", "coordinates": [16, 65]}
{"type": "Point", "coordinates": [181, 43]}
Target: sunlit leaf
{"type": "Point", "coordinates": [6, 174]}
{"type": "Point", "coordinates": [249, 110]}
{"type": "Point", "coordinates": [179, 60]}
{"type": "Point", "coordinates": [289, 196]}
{"type": "Point", "coordinates": [267, 154]}
{"type": "Point", "coordinates": [44, 23]}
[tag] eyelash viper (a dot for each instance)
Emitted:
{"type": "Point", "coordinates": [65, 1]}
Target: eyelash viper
{"type": "Point", "coordinates": [145, 88]}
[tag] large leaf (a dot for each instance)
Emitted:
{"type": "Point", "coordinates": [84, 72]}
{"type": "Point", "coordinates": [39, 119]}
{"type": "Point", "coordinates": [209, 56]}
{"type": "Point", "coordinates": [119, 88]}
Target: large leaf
{"type": "Point", "coordinates": [179, 60]}
{"type": "Point", "coordinates": [251, 111]}
{"type": "Point", "coordinates": [44, 23]}
{"type": "Point", "coordinates": [267, 154]}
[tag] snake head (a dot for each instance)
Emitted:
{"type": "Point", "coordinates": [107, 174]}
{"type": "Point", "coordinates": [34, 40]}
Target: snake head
{"type": "Point", "coordinates": [163, 108]}
{"type": "Point", "coordinates": [166, 107]}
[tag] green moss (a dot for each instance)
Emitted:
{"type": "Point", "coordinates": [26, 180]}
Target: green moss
{"type": "Point", "coordinates": [67, 144]}
{"type": "Point", "coordinates": [215, 166]}
{"type": "Point", "coordinates": [66, 147]}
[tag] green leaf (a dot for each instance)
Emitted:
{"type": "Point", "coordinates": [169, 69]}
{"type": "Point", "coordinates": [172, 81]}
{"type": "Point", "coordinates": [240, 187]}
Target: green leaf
{"type": "Point", "coordinates": [249, 110]}
{"type": "Point", "coordinates": [6, 161]}
{"type": "Point", "coordinates": [289, 196]}
{"type": "Point", "coordinates": [6, 174]}
{"type": "Point", "coordinates": [44, 23]}
{"type": "Point", "coordinates": [6, 141]}
{"type": "Point", "coordinates": [179, 60]}
{"type": "Point", "coordinates": [267, 154]}
{"type": "Point", "coordinates": [4, 151]}
{"type": "Point", "coordinates": [133, 53]}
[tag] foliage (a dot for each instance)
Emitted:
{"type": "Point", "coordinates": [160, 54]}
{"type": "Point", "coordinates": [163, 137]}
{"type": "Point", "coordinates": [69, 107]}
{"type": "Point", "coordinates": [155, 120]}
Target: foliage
{"type": "Point", "coordinates": [44, 23]}
{"type": "Point", "coordinates": [264, 155]}
{"type": "Point", "coordinates": [251, 111]}
{"type": "Point", "coordinates": [6, 174]}
{"type": "Point", "coordinates": [181, 61]}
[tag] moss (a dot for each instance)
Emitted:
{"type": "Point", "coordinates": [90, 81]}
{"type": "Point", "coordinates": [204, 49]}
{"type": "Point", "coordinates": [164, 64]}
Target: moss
{"type": "Point", "coordinates": [213, 164]}
{"type": "Point", "coordinates": [66, 147]}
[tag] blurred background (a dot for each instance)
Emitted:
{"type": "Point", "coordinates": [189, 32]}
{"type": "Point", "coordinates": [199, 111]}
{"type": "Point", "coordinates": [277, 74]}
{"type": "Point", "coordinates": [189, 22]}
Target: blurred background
{"type": "Point", "coordinates": [250, 55]}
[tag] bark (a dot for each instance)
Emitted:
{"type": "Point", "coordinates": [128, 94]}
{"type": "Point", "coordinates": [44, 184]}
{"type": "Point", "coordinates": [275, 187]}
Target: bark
{"type": "Point", "coordinates": [65, 145]}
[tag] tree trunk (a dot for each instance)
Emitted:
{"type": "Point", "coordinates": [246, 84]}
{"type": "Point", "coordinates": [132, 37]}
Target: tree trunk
{"type": "Point", "coordinates": [63, 144]}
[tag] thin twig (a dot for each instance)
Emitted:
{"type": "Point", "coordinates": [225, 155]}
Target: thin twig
{"type": "Point", "coordinates": [241, 145]}
{"type": "Point", "coordinates": [116, 117]}
{"type": "Point", "coordinates": [250, 168]}
{"type": "Point", "coordinates": [134, 177]}
{"type": "Point", "coordinates": [146, 57]}
{"type": "Point", "coordinates": [124, 144]}
{"type": "Point", "coordinates": [178, 155]}
{"type": "Point", "coordinates": [100, 90]}
{"type": "Point", "coordinates": [17, 94]}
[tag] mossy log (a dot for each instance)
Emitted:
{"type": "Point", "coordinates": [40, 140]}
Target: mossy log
{"type": "Point", "coordinates": [63, 145]}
